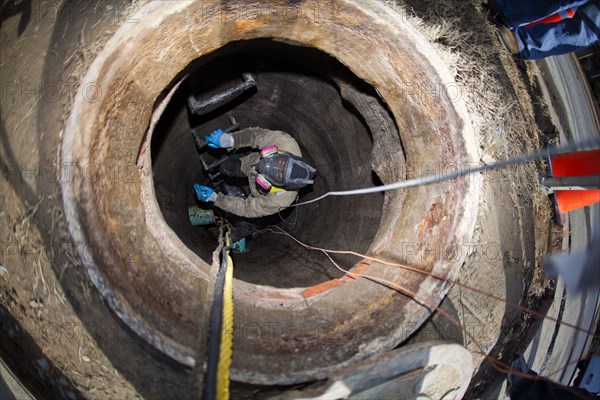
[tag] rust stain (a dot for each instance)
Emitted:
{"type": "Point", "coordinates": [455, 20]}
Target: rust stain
{"type": "Point", "coordinates": [274, 295]}
{"type": "Point", "coordinates": [320, 288]}
{"type": "Point", "coordinates": [248, 25]}
{"type": "Point", "coordinates": [331, 284]}
{"type": "Point", "coordinates": [435, 216]}
{"type": "Point", "coordinates": [359, 269]}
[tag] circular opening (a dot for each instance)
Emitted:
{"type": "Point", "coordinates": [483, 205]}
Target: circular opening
{"type": "Point", "coordinates": [123, 219]}
{"type": "Point", "coordinates": [299, 90]}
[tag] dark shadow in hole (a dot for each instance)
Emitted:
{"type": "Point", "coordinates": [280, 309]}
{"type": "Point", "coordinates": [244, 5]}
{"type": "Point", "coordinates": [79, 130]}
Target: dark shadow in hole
{"type": "Point", "coordinates": [295, 93]}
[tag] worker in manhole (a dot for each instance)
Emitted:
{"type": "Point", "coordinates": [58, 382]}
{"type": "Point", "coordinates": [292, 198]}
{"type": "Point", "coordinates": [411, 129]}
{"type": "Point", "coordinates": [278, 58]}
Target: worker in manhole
{"type": "Point", "coordinates": [272, 166]}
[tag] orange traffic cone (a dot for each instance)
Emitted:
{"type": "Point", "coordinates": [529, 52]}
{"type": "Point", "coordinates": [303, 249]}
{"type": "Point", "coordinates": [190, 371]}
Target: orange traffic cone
{"type": "Point", "coordinates": [569, 200]}
{"type": "Point", "coordinates": [580, 163]}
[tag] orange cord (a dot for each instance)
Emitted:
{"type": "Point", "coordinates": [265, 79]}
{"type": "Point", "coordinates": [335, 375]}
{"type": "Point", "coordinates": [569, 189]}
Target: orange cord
{"type": "Point", "coordinates": [496, 364]}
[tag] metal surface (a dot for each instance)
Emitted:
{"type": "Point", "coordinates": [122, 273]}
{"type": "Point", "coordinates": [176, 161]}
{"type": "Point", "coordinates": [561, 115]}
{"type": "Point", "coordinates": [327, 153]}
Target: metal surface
{"type": "Point", "coordinates": [572, 182]}
{"type": "Point", "coordinates": [200, 107]}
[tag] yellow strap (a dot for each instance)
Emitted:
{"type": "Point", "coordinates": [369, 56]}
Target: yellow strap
{"type": "Point", "coordinates": [276, 189]}
{"type": "Point", "coordinates": [226, 349]}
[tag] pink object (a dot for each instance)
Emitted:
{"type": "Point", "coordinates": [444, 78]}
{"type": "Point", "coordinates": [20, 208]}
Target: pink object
{"type": "Point", "coordinates": [268, 150]}
{"type": "Point", "coordinates": [262, 182]}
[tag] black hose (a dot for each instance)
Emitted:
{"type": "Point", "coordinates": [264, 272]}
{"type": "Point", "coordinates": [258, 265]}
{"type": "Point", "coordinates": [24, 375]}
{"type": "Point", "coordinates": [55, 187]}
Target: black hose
{"type": "Point", "coordinates": [209, 391]}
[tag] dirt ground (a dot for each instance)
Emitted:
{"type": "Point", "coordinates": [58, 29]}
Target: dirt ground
{"type": "Point", "coordinates": [63, 340]}
{"type": "Point", "coordinates": [514, 228]}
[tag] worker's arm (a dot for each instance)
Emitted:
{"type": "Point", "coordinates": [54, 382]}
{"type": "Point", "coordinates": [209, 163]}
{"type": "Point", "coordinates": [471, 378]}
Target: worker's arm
{"type": "Point", "coordinates": [258, 138]}
{"type": "Point", "coordinates": [256, 207]}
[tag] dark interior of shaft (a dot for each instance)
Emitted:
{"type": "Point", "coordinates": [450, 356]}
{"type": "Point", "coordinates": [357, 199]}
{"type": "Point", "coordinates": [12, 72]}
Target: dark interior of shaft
{"type": "Point", "coordinates": [297, 91]}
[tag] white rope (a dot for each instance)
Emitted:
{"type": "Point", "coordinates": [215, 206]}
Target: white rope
{"type": "Point", "coordinates": [427, 180]}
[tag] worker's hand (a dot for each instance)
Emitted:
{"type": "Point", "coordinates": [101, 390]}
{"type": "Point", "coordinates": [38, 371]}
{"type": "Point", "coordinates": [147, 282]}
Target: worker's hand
{"type": "Point", "coordinates": [219, 139]}
{"type": "Point", "coordinates": [204, 193]}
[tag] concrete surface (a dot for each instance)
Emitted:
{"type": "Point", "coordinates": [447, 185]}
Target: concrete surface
{"type": "Point", "coordinates": [569, 98]}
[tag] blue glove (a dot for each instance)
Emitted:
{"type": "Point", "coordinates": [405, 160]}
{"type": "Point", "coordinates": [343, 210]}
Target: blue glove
{"type": "Point", "coordinates": [219, 140]}
{"type": "Point", "coordinates": [204, 193]}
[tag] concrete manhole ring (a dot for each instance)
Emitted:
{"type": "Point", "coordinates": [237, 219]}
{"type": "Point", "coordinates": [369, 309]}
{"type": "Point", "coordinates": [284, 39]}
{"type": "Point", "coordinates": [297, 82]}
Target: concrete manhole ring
{"type": "Point", "coordinates": [161, 289]}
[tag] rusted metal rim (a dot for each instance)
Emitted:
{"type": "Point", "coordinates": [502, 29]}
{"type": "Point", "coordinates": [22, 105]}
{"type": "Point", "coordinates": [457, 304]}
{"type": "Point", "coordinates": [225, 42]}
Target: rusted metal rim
{"type": "Point", "coordinates": [161, 290]}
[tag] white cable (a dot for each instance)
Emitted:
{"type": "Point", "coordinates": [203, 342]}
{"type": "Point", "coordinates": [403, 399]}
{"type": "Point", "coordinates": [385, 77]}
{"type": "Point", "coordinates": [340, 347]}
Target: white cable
{"type": "Point", "coordinates": [427, 180]}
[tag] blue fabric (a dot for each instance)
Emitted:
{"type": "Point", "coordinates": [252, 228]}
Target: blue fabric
{"type": "Point", "coordinates": [543, 40]}
{"type": "Point", "coordinates": [520, 12]}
